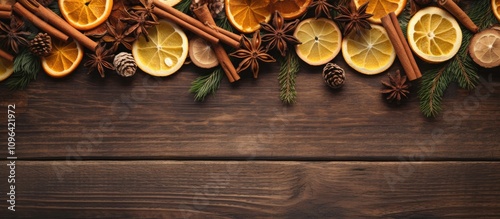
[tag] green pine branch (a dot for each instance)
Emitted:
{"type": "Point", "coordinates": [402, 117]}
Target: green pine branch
{"type": "Point", "coordinates": [183, 6]}
{"type": "Point", "coordinates": [460, 69]}
{"type": "Point", "coordinates": [26, 67]}
{"type": "Point", "coordinates": [224, 24]}
{"type": "Point", "coordinates": [289, 67]}
{"type": "Point", "coordinates": [207, 84]}
{"type": "Point", "coordinates": [434, 84]}
{"type": "Point", "coordinates": [404, 18]}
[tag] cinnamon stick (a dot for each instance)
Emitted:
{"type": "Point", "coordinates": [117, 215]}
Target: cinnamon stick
{"type": "Point", "coordinates": [398, 46]}
{"type": "Point", "coordinates": [185, 25]}
{"type": "Point", "coordinates": [403, 41]}
{"type": "Point", "coordinates": [228, 33]}
{"type": "Point", "coordinates": [5, 7]}
{"type": "Point", "coordinates": [461, 16]}
{"type": "Point", "coordinates": [169, 9]}
{"type": "Point", "coordinates": [59, 23]}
{"type": "Point", "coordinates": [203, 14]}
{"type": "Point", "coordinates": [21, 10]}
{"type": "Point", "coordinates": [6, 55]}
{"type": "Point", "coordinates": [5, 14]}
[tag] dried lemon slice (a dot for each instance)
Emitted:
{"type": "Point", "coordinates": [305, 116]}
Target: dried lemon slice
{"type": "Point", "coordinates": [369, 53]}
{"type": "Point", "coordinates": [320, 40]}
{"type": "Point", "coordinates": [434, 35]}
{"type": "Point", "coordinates": [485, 48]}
{"type": "Point", "coordinates": [201, 53]}
{"type": "Point", "coordinates": [164, 53]}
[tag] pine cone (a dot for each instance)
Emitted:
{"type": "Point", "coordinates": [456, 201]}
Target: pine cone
{"type": "Point", "coordinates": [216, 7]}
{"type": "Point", "coordinates": [334, 75]}
{"type": "Point", "coordinates": [125, 64]}
{"type": "Point", "coordinates": [41, 45]}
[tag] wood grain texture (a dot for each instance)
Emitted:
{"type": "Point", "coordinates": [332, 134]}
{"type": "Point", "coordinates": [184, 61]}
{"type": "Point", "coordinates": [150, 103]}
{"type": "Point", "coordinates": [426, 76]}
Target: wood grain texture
{"type": "Point", "coordinates": [255, 189]}
{"type": "Point", "coordinates": [87, 117]}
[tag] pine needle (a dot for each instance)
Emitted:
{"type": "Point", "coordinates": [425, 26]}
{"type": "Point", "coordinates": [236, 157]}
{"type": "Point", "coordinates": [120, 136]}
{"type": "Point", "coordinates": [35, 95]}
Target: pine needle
{"type": "Point", "coordinates": [404, 17]}
{"type": "Point", "coordinates": [207, 84]}
{"type": "Point", "coordinates": [54, 6]}
{"type": "Point", "coordinates": [26, 67]}
{"type": "Point", "coordinates": [224, 24]}
{"type": "Point", "coordinates": [289, 67]}
{"type": "Point", "coordinates": [183, 6]}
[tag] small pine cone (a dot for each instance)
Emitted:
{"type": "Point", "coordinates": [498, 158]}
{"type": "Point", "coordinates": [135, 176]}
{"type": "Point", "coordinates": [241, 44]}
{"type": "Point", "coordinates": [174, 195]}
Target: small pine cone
{"type": "Point", "coordinates": [41, 45]}
{"type": "Point", "coordinates": [125, 64]}
{"type": "Point", "coordinates": [216, 7]}
{"type": "Point", "coordinates": [334, 75]}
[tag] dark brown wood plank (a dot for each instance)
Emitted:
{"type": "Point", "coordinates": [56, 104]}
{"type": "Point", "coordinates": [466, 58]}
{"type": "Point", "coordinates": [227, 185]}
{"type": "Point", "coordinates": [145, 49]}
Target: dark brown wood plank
{"type": "Point", "coordinates": [254, 189]}
{"type": "Point", "coordinates": [88, 117]}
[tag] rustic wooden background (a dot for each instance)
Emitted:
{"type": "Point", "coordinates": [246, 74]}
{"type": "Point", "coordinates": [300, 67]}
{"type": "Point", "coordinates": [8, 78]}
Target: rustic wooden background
{"type": "Point", "coordinates": [142, 148]}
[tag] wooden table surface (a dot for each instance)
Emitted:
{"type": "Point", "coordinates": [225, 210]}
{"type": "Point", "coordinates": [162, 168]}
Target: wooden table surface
{"type": "Point", "coordinates": [142, 148]}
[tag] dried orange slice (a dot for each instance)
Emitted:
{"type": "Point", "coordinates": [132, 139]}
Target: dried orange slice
{"type": "Point", "coordinates": [63, 59]}
{"type": "Point", "coordinates": [434, 35]}
{"type": "Point", "coordinates": [320, 40]}
{"type": "Point", "coordinates": [6, 68]}
{"type": "Point", "coordinates": [201, 53]}
{"type": "Point", "coordinates": [380, 8]}
{"type": "Point", "coordinates": [246, 15]}
{"type": "Point", "coordinates": [291, 9]}
{"type": "Point", "coordinates": [85, 14]}
{"type": "Point", "coordinates": [495, 6]}
{"type": "Point", "coordinates": [484, 48]}
{"type": "Point", "coordinates": [369, 53]}
{"type": "Point", "coordinates": [164, 53]}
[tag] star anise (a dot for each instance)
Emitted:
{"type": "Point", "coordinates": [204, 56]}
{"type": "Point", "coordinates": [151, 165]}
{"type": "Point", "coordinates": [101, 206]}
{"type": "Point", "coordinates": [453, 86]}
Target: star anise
{"type": "Point", "coordinates": [321, 7]}
{"type": "Point", "coordinates": [396, 87]}
{"type": "Point", "coordinates": [355, 19]}
{"type": "Point", "coordinates": [13, 35]}
{"type": "Point", "coordinates": [139, 21]}
{"type": "Point", "coordinates": [100, 60]}
{"type": "Point", "coordinates": [251, 51]}
{"type": "Point", "coordinates": [116, 35]}
{"type": "Point", "coordinates": [279, 33]}
{"type": "Point", "coordinates": [147, 7]}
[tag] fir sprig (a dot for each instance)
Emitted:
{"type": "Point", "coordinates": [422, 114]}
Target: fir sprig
{"type": "Point", "coordinates": [460, 69]}
{"type": "Point", "coordinates": [434, 84]}
{"type": "Point", "coordinates": [224, 24]}
{"type": "Point", "coordinates": [289, 67]}
{"type": "Point", "coordinates": [404, 18]}
{"type": "Point", "coordinates": [183, 6]}
{"type": "Point", "coordinates": [26, 67]}
{"type": "Point", "coordinates": [207, 84]}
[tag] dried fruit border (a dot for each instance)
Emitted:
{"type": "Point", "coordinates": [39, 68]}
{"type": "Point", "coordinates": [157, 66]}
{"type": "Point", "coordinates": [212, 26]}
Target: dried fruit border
{"type": "Point", "coordinates": [131, 19]}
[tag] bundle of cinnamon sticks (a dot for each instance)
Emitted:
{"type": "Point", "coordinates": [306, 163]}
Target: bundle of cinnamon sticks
{"type": "Point", "coordinates": [50, 22]}
{"type": "Point", "coordinates": [5, 11]}
{"type": "Point", "coordinates": [403, 51]}
{"type": "Point", "coordinates": [205, 28]}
